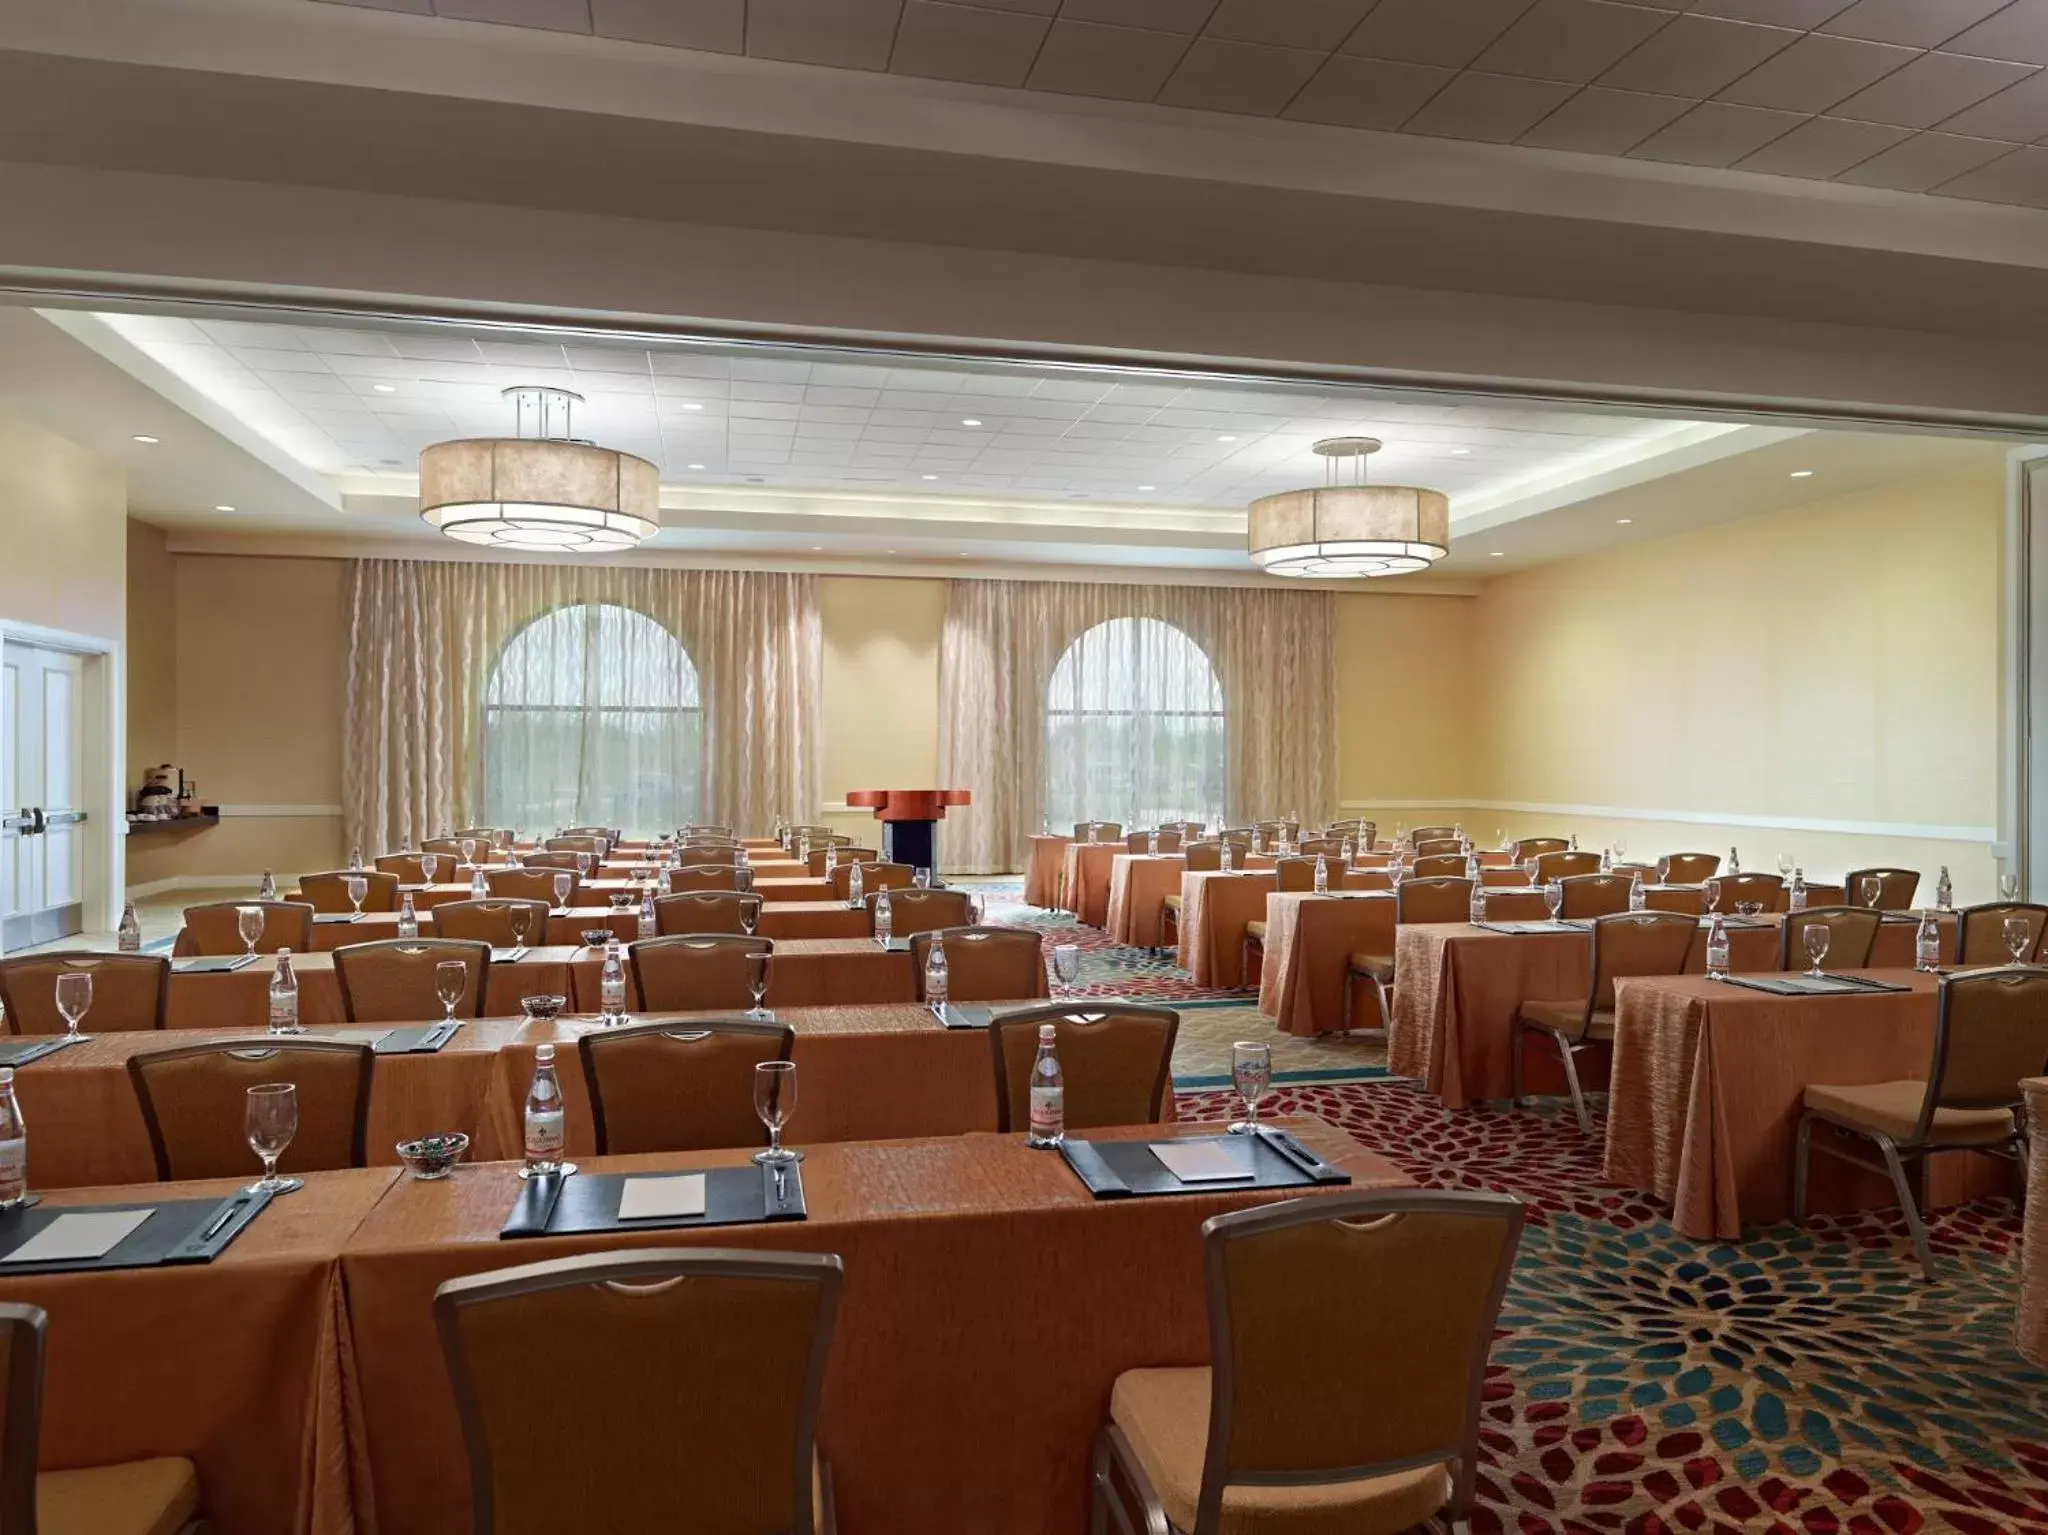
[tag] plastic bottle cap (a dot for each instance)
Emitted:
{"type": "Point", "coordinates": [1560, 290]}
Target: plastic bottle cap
{"type": "Point", "coordinates": [1047, 1033]}
{"type": "Point", "coordinates": [544, 1053]}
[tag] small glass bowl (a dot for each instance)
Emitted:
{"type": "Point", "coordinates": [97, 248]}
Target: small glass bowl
{"type": "Point", "coordinates": [542, 1009]}
{"type": "Point", "coordinates": [1748, 908]}
{"type": "Point", "coordinates": [596, 937]}
{"type": "Point", "coordinates": [433, 1156]}
{"type": "Point", "coordinates": [621, 900]}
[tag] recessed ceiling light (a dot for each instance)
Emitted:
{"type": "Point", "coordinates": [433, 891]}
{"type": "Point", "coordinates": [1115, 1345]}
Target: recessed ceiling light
{"type": "Point", "coordinates": [969, 421]}
{"type": "Point", "coordinates": [931, 477]}
{"type": "Point", "coordinates": [1461, 453]}
{"type": "Point", "coordinates": [385, 388]}
{"type": "Point", "coordinates": [1623, 521]}
{"type": "Point", "coordinates": [144, 437]}
{"type": "Point", "coordinates": [223, 508]}
{"type": "Point", "coordinates": [1493, 554]}
{"type": "Point", "coordinates": [1227, 439]}
{"type": "Point", "coordinates": [693, 466]}
{"type": "Point", "coordinates": [889, 551]}
{"type": "Point", "coordinates": [817, 548]}
{"type": "Point", "coordinates": [1802, 474]}
{"type": "Point", "coordinates": [1148, 487]}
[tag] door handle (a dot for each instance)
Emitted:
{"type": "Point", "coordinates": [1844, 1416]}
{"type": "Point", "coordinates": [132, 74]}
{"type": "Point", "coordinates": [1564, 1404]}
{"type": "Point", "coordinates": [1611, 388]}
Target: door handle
{"type": "Point", "coordinates": [23, 824]}
{"type": "Point", "coordinates": [42, 824]}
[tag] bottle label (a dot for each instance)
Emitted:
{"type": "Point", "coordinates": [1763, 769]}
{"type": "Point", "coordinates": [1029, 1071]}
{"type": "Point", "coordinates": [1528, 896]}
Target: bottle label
{"type": "Point", "coordinates": [13, 1168]}
{"type": "Point", "coordinates": [544, 1135]}
{"type": "Point", "coordinates": [1048, 1110]}
{"type": "Point", "coordinates": [284, 1011]}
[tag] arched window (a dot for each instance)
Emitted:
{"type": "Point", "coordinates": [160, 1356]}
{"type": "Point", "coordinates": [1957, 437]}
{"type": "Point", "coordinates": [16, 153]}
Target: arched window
{"type": "Point", "coordinates": [591, 718]}
{"type": "Point", "coordinates": [1134, 728]}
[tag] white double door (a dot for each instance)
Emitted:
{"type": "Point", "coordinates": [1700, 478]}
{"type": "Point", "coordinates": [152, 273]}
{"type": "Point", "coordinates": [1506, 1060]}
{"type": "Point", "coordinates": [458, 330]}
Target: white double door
{"type": "Point", "coordinates": [42, 798]}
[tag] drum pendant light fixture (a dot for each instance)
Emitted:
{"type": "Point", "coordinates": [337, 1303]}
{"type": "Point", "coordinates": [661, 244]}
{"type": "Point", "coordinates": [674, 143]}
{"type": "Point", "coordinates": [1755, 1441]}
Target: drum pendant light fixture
{"type": "Point", "coordinates": [542, 488]}
{"type": "Point", "coordinates": [1347, 528]}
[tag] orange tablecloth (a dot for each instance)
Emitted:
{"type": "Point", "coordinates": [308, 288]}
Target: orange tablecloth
{"type": "Point", "coordinates": [1309, 943]}
{"type": "Point", "coordinates": [807, 972]}
{"type": "Point", "coordinates": [1707, 1084]}
{"type": "Point", "coordinates": [1139, 884]}
{"type": "Point", "coordinates": [234, 1364]}
{"type": "Point", "coordinates": [1214, 910]}
{"type": "Point", "coordinates": [241, 998]}
{"type": "Point", "coordinates": [1042, 872]}
{"type": "Point", "coordinates": [2033, 1317]}
{"type": "Point", "coordinates": [1084, 880]}
{"type": "Point", "coordinates": [989, 1305]}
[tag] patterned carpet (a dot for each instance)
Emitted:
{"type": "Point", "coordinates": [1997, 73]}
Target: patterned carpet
{"type": "Point", "coordinates": [1803, 1380]}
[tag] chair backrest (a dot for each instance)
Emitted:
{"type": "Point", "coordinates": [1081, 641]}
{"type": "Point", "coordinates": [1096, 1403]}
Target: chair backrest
{"type": "Point", "coordinates": [194, 1101]}
{"type": "Point", "coordinates": [1114, 1059]}
{"type": "Point", "coordinates": [703, 877]}
{"type": "Point", "coordinates": [1535, 847]}
{"type": "Point", "coordinates": [840, 855]}
{"type": "Point", "coordinates": [329, 892]}
{"type": "Point", "coordinates": [1098, 831]}
{"type": "Point", "coordinates": [698, 831]}
{"type": "Point", "coordinates": [1432, 834]}
{"type": "Point", "coordinates": [1431, 847]}
{"type": "Point", "coordinates": [693, 972]}
{"type": "Point", "coordinates": [607, 834]}
{"type": "Point", "coordinates": [129, 991]}
{"type": "Point", "coordinates": [707, 911]}
{"type": "Point", "coordinates": [1438, 866]}
{"type": "Point", "coordinates": [1980, 932]}
{"type": "Point", "coordinates": [597, 847]}
{"type": "Point", "coordinates": [691, 1375]}
{"type": "Point", "coordinates": [1990, 1032]}
{"type": "Point", "coordinates": [406, 866]}
{"type": "Point", "coordinates": [216, 928]}
{"type": "Point", "coordinates": [1329, 847]}
{"type": "Point", "coordinates": [1593, 895]}
{"type": "Point", "coordinates": [1688, 868]}
{"type": "Point", "coordinates": [923, 911]}
{"type": "Point", "coordinates": [1433, 900]}
{"type": "Point", "coordinates": [985, 964]}
{"type": "Point", "coordinates": [478, 833]}
{"type": "Point", "coordinates": [1201, 855]}
{"type": "Point", "coordinates": [490, 921]}
{"type": "Point", "coordinates": [1726, 891]}
{"type": "Point", "coordinates": [1851, 932]}
{"type": "Point", "coordinates": [874, 876]}
{"type": "Point", "coordinates": [1295, 873]}
{"type": "Point", "coordinates": [679, 1086]}
{"type": "Point", "coordinates": [1564, 865]}
{"type": "Point", "coordinates": [22, 1328]}
{"type": "Point", "coordinates": [566, 861]}
{"type": "Point", "coordinates": [394, 980]}
{"type": "Point", "coordinates": [447, 847]}
{"type": "Point", "coordinates": [1895, 887]}
{"type": "Point", "coordinates": [712, 855]}
{"type": "Point", "coordinates": [1299, 1397]}
{"type": "Point", "coordinates": [1637, 943]}
{"type": "Point", "coordinates": [529, 885]}
{"type": "Point", "coordinates": [1141, 841]}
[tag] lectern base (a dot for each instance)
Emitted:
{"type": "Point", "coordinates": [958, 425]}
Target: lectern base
{"type": "Point", "coordinates": [915, 843]}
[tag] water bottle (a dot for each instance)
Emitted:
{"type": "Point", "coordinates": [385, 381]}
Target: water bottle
{"type": "Point", "coordinates": [284, 996]}
{"type": "Point", "coordinates": [1944, 892]}
{"type": "Point", "coordinates": [1717, 948]}
{"type": "Point", "coordinates": [1637, 901]}
{"type": "Point", "coordinates": [1795, 893]}
{"type": "Point", "coordinates": [13, 1144]}
{"type": "Point", "coordinates": [1607, 860]}
{"type": "Point", "coordinates": [1228, 859]}
{"type": "Point", "coordinates": [546, 1127]}
{"type": "Point", "coordinates": [267, 891]}
{"type": "Point", "coordinates": [831, 858]}
{"type": "Point", "coordinates": [856, 885]}
{"type": "Point", "coordinates": [1575, 842]}
{"type": "Point", "coordinates": [803, 849]}
{"type": "Point", "coordinates": [1152, 843]}
{"type": "Point", "coordinates": [1258, 840]}
{"type": "Point", "coordinates": [1322, 874]}
{"type": "Point", "coordinates": [646, 928]}
{"type": "Point", "coordinates": [1048, 1092]}
{"type": "Point", "coordinates": [1927, 944]}
{"type": "Point", "coordinates": [408, 917]}
{"type": "Point", "coordinates": [128, 936]}
{"type": "Point", "coordinates": [479, 887]}
{"type": "Point", "coordinates": [611, 984]}
{"type": "Point", "coordinates": [1348, 852]}
{"type": "Point", "coordinates": [1472, 867]}
{"type": "Point", "coordinates": [935, 977]}
{"type": "Point", "coordinates": [355, 860]}
{"type": "Point", "coordinates": [1478, 901]}
{"type": "Point", "coordinates": [884, 918]}
{"type": "Point", "coordinates": [1734, 861]}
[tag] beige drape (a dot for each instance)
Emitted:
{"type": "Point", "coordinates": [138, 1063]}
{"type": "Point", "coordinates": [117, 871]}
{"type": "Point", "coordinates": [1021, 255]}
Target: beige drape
{"type": "Point", "coordinates": [1273, 651]}
{"type": "Point", "coordinates": [423, 635]}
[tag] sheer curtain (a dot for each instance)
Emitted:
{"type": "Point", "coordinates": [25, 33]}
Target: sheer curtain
{"type": "Point", "coordinates": [1065, 701]}
{"type": "Point", "coordinates": [540, 695]}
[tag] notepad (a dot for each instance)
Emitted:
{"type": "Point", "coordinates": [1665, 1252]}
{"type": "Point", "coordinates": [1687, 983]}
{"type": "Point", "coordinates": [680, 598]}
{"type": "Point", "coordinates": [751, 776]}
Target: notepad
{"type": "Point", "coordinates": [71, 1237]}
{"type": "Point", "coordinates": [370, 1037]}
{"type": "Point", "coordinates": [646, 1199]}
{"type": "Point", "coordinates": [1204, 1162]}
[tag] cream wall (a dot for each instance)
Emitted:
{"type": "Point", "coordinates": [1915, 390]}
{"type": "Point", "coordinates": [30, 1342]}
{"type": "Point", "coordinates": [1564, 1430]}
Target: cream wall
{"type": "Point", "coordinates": [152, 653]}
{"type": "Point", "coordinates": [880, 676]}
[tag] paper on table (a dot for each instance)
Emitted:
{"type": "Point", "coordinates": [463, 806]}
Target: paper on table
{"type": "Point", "coordinates": [651, 1198]}
{"type": "Point", "coordinates": [370, 1037]}
{"type": "Point", "coordinates": [89, 1234]}
{"type": "Point", "coordinates": [1204, 1161]}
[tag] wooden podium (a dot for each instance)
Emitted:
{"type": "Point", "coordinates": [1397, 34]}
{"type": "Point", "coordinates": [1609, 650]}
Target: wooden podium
{"type": "Point", "coordinates": [910, 821]}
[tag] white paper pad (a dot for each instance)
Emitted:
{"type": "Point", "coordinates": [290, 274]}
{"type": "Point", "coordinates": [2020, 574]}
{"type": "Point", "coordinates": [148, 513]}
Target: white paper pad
{"type": "Point", "coordinates": [1204, 1162]}
{"type": "Point", "coordinates": [91, 1234]}
{"type": "Point", "coordinates": [657, 1198]}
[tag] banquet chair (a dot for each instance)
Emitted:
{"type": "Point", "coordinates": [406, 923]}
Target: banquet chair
{"type": "Point", "coordinates": [1432, 834]}
{"type": "Point", "coordinates": [847, 854]}
{"type": "Point", "coordinates": [701, 878]}
{"type": "Point", "coordinates": [876, 875]}
{"type": "Point", "coordinates": [1115, 1058]}
{"type": "Point", "coordinates": [569, 861]}
{"type": "Point", "coordinates": [1197, 857]}
{"type": "Point", "coordinates": [1980, 932]}
{"type": "Point", "coordinates": [1432, 847]}
{"type": "Point", "coordinates": [328, 893]}
{"type": "Point", "coordinates": [489, 920]}
{"type": "Point", "coordinates": [1627, 943]}
{"type": "Point", "coordinates": [715, 855]}
{"type": "Point", "coordinates": [679, 1086]}
{"type": "Point", "coordinates": [1202, 855]}
{"type": "Point", "coordinates": [1433, 900]}
{"type": "Point", "coordinates": [530, 885]}
{"type": "Point", "coordinates": [155, 1496]}
{"type": "Point", "coordinates": [1550, 866]}
{"type": "Point", "coordinates": [610, 834]}
{"type": "Point", "coordinates": [1312, 1418]}
{"type": "Point", "coordinates": [407, 866]}
{"type": "Point", "coordinates": [1726, 891]}
{"type": "Point", "coordinates": [984, 964]}
{"type": "Point", "coordinates": [1687, 868]}
{"type": "Point", "coordinates": [129, 991]}
{"type": "Point", "coordinates": [215, 927]}
{"type": "Point", "coordinates": [707, 911]}
{"type": "Point", "coordinates": [194, 1097]}
{"type": "Point", "coordinates": [1438, 866]}
{"type": "Point", "coordinates": [922, 911]}
{"type": "Point", "coordinates": [1535, 847]}
{"type": "Point", "coordinates": [479, 833]}
{"type": "Point", "coordinates": [1851, 932]}
{"type": "Point", "coordinates": [1990, 1031]}
{"type": "Point", "coordinates": [1895, 887]}
{"type": "Point", "coordinates": [596, 847]}
{"type": "Point", "coordinates": [1098, 831]}
{"type": "Point", "coordinates": [392, 980]}
{"type": "Point", "coordinates": [693, 972]}
{"type": "Point", "coordinates": [709, 833]}
{"type": "Point", "coordinates": [447, 847]}
{"type": "Point", "coordinates": [1593, 895]}
{"type": "Point", "coordinates": [1329, 847]}
{"type": "Point", "coordinates": [1141, 841]}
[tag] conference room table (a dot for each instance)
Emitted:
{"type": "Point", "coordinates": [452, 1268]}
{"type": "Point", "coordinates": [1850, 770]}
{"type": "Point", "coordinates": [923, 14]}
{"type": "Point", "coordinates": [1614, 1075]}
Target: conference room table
{"type": "Point", "coordinates": [566, 926]}
{"type": "Point", "coordinates": [1707, 1087]}
{"type": "Point", "coordinates": [600, 891]}
{"type": "Point", "coordinates": [1460, 988]}
{"type": "Point", "coordinates": [989, 1305]}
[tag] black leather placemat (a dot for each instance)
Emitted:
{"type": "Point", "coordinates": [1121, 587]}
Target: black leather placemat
{"type": "Point", "coordinates": [19, 1052]}
{"type": "Point", "coordinates": [586, 1202]}
{"type": "Point", "coordinates": [213, 964]}
{"type": "Point", "coordinates": [1828, 985]}
{"type": "Point", "coordinates": [1128, 1169]}
{"type": "Point", "coordinates": [894, 945]}
{"type": "Point", "coordinates": [337, 916]}
{"type": "Point", "coordinates": [977, 1015]}
{"type": "Point", "coordinates": [178, 1231]}
{"type": "Point", "coordinates": [1524, 929]}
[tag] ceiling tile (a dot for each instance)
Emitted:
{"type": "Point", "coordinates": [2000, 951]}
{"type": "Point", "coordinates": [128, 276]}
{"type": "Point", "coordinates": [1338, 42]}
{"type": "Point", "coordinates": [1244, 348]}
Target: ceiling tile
{"type": "Point", "coordinates": [852, 34]}
{"type": "Point", "coordinates": [1924, 161]}
{"type": "Point", "coordinates": [1804, 14]}
{"type": "Point", "coordinates": [1029, 7]}
{"type": "Point", "coordinates": [1154, 15]}
{"type": "Point", "coordinates": [2020, 177]}
{"type": "Point", "coordinates": [1914, 23]}
{"type": "Point", "coordinates": [1366, 93]}
{"type": "Point", "coordinates": [1496, 108]}
{"type": "Point", "coordinates": [1715, 133]}
{"type": "Point", "coordinates": [1569, 39]}
{"type": "Point", "coordinates": [1822, 148]}
{"type": "Point", "coordinates": [415, 7]}
{"type": "Point", "coordinates": [2019, 114]}
{"type": "Point", "coordinates": [1815, 73]}
{"type": "Point", "coordinates": [1238, 77]}
{"type": "Point", "coordinates": [1320, 24]}
{"type": "Point", "coordinates": [1083, 59]}
{"type": "Point", "coordinates": [1933, 87]}
{"type": "Point", "coordinates": [710, 26]}
{"type": "Point", "coordinates": [958, 42]}
{"type": "Point", "coordinates": [1697, 55]}
{"type": "Point", "coordinates": [2020, 31]}
{"type": "Point", "coordinates": [553, 15]}
{"type": "Point", "coordinates": [1451, 33]}
{"type": "Point", "coordinates": [1599, 121]}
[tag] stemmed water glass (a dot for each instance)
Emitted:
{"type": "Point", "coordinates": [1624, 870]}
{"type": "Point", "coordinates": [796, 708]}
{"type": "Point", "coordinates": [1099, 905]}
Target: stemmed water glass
{"type": "Point", "coordinates": [774, 1098]}
{"type": "Point", "coordinates": [521, 917]}
{"type": "Point", "coordinates": [975, 910]}
{"type": "Point", "coordinates": [1251, 1073]}
{"type": "Point", "coordinates": [1066, 963]}
{"type": "Point", "coordinates": [357, 887]}
{"type": "Point", "coordinates": [430, 865]}
{"type": "Point", "coordinates": [1785, 865]}
{"type": "Point", "coordinates": [583, 864]}
{"type": "Point", "coordinates": [2019, 938]}
{"type": "Point", "coordinates": [922, 879]}
{"type": "Point", "coordinates": [469, 851]}
{"type": "Point", "coordinates": [563, 884]}
{"type": "Point", "coordinates": [271, 1120]}
{"type": "Point", "coordinates": [74, 998]}
{"type": "Point", "coordinates": [757, 984]}
{"type": "Point", "coordinates": [2009, 886]}
{"type": "Point", "coordinates": [1870, 887]}
{"type": "Point", "coordinates": [750, 916]}
{"type": "Point", "coordinates": [1553, 897]}
{"type": "Point", "coordinates": [1815, 936]}
{"type": "Point", "coordinates": [451, 980]}
{"type": "Point", "coordinates": [249, 923]}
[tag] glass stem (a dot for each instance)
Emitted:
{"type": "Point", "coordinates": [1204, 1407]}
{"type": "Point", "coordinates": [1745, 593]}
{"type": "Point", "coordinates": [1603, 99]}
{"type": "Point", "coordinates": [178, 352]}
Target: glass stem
{"type": "Point", "coordinates": [269, 1169]}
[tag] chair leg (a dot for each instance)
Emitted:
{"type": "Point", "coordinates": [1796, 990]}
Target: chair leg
{"type": "Point", "coordinates": [1911, 1206]}
{"type": "Point", "coordinates": [1350, 985]}
{"type": "Point", "coordinates": [1516, 1038]}
{"type": "Point", "coordinates": [1570, 1057]}
{"type": "Point", "coordinates": [1802, 1162]}
{"type": "Point", "coordinates": [1098, 1487]}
